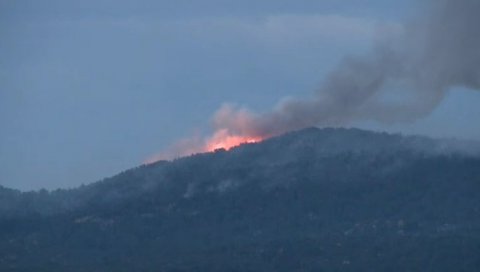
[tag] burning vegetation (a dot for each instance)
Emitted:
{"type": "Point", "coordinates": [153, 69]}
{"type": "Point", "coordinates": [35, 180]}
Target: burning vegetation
{"type": "Point", "coordinates": [417, 63]}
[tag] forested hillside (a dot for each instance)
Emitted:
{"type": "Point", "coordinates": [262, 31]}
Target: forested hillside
{"type": "Point", "coordinates": [311, 200]}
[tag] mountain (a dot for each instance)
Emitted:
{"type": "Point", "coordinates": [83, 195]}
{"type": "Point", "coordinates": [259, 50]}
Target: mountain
{"type": "Point", "coordinates": [310, 200]}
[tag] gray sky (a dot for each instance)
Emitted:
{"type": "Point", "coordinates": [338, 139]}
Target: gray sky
{"type": "Point", "coordinates": [91, 88]}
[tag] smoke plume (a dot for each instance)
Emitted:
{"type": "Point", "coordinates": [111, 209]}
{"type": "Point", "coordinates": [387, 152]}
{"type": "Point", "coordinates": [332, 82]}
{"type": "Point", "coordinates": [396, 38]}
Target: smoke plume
{"type": "Point", "coordinates": [403, 78]}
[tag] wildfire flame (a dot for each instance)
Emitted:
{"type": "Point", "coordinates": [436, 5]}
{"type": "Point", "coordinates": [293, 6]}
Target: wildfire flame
{"type": "Point", "coordinates": [222, 139]}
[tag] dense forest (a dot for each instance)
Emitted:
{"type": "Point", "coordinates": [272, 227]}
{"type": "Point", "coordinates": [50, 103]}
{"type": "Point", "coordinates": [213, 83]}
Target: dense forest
{"type": "Point", "coordinates": [310, 200]}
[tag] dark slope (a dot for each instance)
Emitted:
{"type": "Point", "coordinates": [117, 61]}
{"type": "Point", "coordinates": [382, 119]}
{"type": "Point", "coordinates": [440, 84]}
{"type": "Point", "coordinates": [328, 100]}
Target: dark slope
{"type": "Point", "coordinates": [312, 200]}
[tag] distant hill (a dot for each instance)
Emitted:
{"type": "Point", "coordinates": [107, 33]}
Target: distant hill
{"type": "Point", "coordinates": [310, 200]}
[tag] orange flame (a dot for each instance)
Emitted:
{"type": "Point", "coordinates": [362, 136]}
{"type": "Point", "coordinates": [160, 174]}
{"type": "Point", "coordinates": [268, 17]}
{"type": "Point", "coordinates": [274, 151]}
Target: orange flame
{"type": "Point", "coordinates": [222, 139]}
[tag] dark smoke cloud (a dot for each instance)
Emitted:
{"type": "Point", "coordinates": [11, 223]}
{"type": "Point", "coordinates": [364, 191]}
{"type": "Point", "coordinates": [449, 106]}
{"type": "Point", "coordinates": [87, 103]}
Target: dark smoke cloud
{"type": "Point", "coordinates": [403, 78]}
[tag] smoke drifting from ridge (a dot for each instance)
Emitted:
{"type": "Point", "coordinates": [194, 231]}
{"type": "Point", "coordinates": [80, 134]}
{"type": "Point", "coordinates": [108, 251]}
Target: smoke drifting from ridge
{"type": "Point", "coordinates": [404, 78]}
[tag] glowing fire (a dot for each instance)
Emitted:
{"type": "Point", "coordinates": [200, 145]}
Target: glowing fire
{"type": "Point", "coordinates": [221, 139]}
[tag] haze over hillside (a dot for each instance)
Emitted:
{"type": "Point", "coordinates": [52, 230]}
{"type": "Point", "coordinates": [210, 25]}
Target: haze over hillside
{"type": "Point", "coordinates": [89, 88]}
{"type": "Point", "coordinates": [311, 200]}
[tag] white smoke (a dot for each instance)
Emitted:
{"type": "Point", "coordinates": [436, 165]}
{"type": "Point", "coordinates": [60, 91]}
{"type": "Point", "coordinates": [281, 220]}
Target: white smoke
{"type": "Point", "coordinates": [403, 78]}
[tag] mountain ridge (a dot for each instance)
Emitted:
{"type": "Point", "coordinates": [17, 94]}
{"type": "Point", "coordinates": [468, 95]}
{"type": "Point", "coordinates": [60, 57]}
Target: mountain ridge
{"type": "Point", "coordinates": [317, 142]}
{"type": "Point", "coordinates": [311, 200]}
